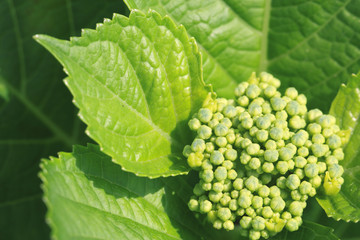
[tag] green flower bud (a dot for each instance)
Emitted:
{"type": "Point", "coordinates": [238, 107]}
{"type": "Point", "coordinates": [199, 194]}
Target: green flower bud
{"type": "Point", "coordinates": [250, 212]}
{"type": "Point", "coordinates": [245, 222]}
{"type": "Point", "coordinates": [241, 88]}
{"type": "Point", "coordinates": [301, 99]}
{"type": "Point", "coordinates": [319, 150]}
{"type": "Point", "coordinates": [267, 212]}
{"type": "Point", "coordinates": [226, 122]}
{"type": "Point", "coordinates": [193, 205]}
{"type": "Point", "coordinates": [232, 174]}
{"type": "Point", "coordinates": [218, 187]}
{"type": "Point", "coordinates": [296, 208]}
{"type": "Point", "coordinates": [335, 170]}
{"type": "Point", "coordinates": [262, 135]}
{"type": "Point", "coordinates": [204, 132]}
{"type": "Point", "coordinates": [311, 170]}
{"type": "Point", "coordinates": [215, 196]}
{"type": "Point", "coordinates": [194, 124]}
{"type": "Point", "coordinates": [315, 181]}
{"type": "Point", "coordinates": [313, 115]}
{"type": "Point", "coordinates": [229, 111]}
{"type": "Point", "coordinates": [282, 167]}
{"type": "Point", "coordinates": [338, 154]}
{"type": "Point", "coordinates": [204, 115]}
{"type": "Point", "coordinates": [286, 153]}
{"type": "Point", "coordinates": [276, 133]}
{"type": "Point", "coordinates": [268, 167]}
{"type": "Point", "coordinates": [300, 173]}
{"type": "Point", "coordinates": [243, 101]}
{"type": "Point", "coordinates": [277, 204]}
{"type": "Point", "coordinates": [220, 173]}
{"type": "Point", "coordinates": [264, 191]}
{"type": "Point", "coordinates": [300, 162]}
{"type": "Point", "coordinates": [303, 152]}
{"type": "Point", "coordinates": [258, 223]}
{"type": "Point", "coordinates": [259, 101]}
{"type": "Point", "coordinates": [228, 225]}
{"type": "Point", "coordinates": [291, 93]}
{"type": "Point", "coordinates": [244, 200]}
{"type": "Point", "coordinates": [216, 158]}
{"type": "Point", "coordinates": [292, 108]}
{"type": "Point", "coordinates": [253, 131]}
{"type": "Point", "coordinates": [207, 175]}
{"type": "Point", "coordinates": [255, 109]}
{"type": "Point", "coordinates": [281, 115]}
{"type": "Point", "coordinates": [252, 183]}
{"type": "Point", "coordinates": [218, 224]}
{"type": "Point", "coordinates": [326, 121]}
{"type": "Point", "coordinates": [314, 128]}
{"type": "Point", "coordinates": [231, 154]}
{"type": "Point", "coordinates": [230, 138]}
{"type": "Point", "coordinates": [297, 122]}
{"type": "Point", "coordinates": [221, 130]}
{"type": "Point", "coordinates": [270, 145]}
{"type": "Point", "coordinates": [305, 187]}
{"type": "Point", "coordinates": [263, 122]}
{"type": "Point", "coordinates": [295, 195]}
{"type": "Point", "coordinates": [187, 151]}
{"type": "Point", "coordinates": [254, 163]}
{"type": "Point", "coordinates": [247, 123]}
{"type": "Point", "coordinates": [198, 145]}
{"type": "Point", "coordinates": [206, 186]}
{"type": "Point", "coordinates": [269, 91]}
{"type": "Point", "coordinates": [322, 167]}
{"type": "Point", "coordinates": [205, 206]}
{"type": "Point", "coordinates": [253, 149]}
{"type": "Point", "coordinates": [238, 184]}
{"type": "Point", "coordinates": [233, 206]}
{"type": "Point", "coordinates": [234, 194]}
{"type": "Point", "coordinates": [274, 191]}
{"type": "Point", "coordinates": [221, 142]}
{"type": "Point", "coordinates": [300, 138]}
{"type": "Point", "coordinates": [293, 181]}
{"type": "Point", "coordinates": [286, 215]}
{"type": "Point", "coordinates": [253, 91]}
{"type": "Point", "coordinates": [281, 182]}
{"type": "Point", "coordinates": [277, 103]}
{"type": "Point", "coordinates": [206, 165]}
{"type": "Point", "coordinates": [224, 213]}
{"type": "Point", "coordinates": [195, 160]}
{"type": "Point", "coordinates": [318, 138]}
{"type": "Point", "coordinates": [334, 141]}
{"type": "Point", "coordinates": [331, 186]}
{"type": "Point", "coordinates": [292, 225]}
{"type": "Point", "coordinates": [266, 108]}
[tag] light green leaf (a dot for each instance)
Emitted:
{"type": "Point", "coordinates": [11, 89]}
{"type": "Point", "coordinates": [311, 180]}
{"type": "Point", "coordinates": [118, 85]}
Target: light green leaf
{"type": "Point", "coordinates": [137, 81]}
{"type": "Point", "coordinates": [90, 197]}
{"type": "Point", "coordinates": [308, 231]}
{"type": "Point", "coordinates": [311, 45]}
{"type": "Point", "coordinates": [346, 109]}
{"type": "Point", "coordinates": [37, 118]}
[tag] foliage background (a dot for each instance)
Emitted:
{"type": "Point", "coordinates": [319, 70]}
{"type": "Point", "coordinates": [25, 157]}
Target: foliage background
{"type": "Point", "coordinates": [37, 118]}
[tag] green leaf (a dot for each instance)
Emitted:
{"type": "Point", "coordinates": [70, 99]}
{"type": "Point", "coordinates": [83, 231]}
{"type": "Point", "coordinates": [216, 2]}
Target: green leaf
{"type": "Point", "coordinates": [308, 231]}
{"type": "Point", "coordinates": [346, 109]}
{"type": "Point", "coordinates": [37, 117]}
{"type": "Point", "coordinates": [311, 45]}
{"type": "Point", "coordinates": [90, 197]}
{"type": "Point", "coordinates": [136, 81]}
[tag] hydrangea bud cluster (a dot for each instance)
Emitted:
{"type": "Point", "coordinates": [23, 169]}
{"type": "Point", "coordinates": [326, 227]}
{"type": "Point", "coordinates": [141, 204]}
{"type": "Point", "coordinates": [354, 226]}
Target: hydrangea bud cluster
{"type": "Point", "coordinates": [260, 156]}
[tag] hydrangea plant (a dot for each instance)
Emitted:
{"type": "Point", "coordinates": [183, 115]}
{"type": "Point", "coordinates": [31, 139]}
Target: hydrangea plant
{"type": "Point", "coordinates": [188, 142]}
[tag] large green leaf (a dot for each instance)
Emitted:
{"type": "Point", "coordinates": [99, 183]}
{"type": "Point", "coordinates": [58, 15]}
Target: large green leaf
{"type": "Point", "coordinates": [312, 45]}
{"type": "Point", "coordinates": [346, 109]}
{"type": "Point", "coordinates": [137, 81]}
{"type": "Point", "coordinates": [36, 115]}
{"type": "Point", "coordinates": [90, 197]}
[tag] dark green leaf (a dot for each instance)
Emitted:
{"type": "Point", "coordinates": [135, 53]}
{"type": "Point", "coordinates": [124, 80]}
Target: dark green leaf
{"type": "Point", "coordinates": [37, 117]}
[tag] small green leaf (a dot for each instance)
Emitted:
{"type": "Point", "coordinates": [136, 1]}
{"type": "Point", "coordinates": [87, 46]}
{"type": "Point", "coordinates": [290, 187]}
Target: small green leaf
{"type": "Point", "coordinates": [346, 109]}
{"type": "Point", "coordinates": [308, 231]}
{"type": "Point", "coordinates": [136, 81]}
{"type": "Point", "coordinates": [90, 197]}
